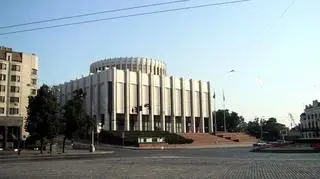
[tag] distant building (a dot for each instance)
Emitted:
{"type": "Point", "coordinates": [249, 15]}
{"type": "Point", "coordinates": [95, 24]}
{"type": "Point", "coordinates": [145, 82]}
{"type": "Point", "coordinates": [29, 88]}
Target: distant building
{"type": "Point", "coordinates": [18, 80]}
{"type": "Point", "coordinates": [310, 120]}
{"type": "Point", "coordinates": [135, 94]}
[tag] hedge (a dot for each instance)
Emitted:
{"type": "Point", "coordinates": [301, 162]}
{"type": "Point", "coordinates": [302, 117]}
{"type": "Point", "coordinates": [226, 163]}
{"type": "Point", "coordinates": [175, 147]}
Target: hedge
{"type": "Point", "coordinates": [131, 138]}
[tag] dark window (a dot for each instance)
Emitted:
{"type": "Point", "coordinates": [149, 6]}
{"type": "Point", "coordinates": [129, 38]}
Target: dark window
{"type": "Point", "coordinates": [34, 71]}
{"type": "Point", "coordinates": [2, 88]}
{"type": "Point", "coordinates": [3, 66]}
{"type": "Point", "coordinates": [34, 81]}
{"type": "Point", "coordinates": [14, 89]}
{"type": "Point", "coordinates": [2, 77]}
{"type": "Point", "coordinates": [9, 58]}
{"type": "Point", "coordinates": [14, 99]}
{"type": "Point", "coordinates": [15, 67]}
{"type": "Point", "coordinates": [102, 120]}
{"type": "Point", "coordinates": [15, 78]}
{"type": "Point", "coordinates": [1, 110]}
{"type": "Point", "coordinates": [33, 91]}
{"type": "Point", "coordinates": [17, 57]}
{"type": "Point", "coordinates": [14, 111]}
{"type": "Point", "coordinates": [2, 99]}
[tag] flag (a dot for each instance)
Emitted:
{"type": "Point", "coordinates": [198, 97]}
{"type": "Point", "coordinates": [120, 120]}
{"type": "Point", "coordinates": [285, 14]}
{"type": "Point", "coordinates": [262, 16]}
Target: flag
{"type": "Point", "coordinates": [214, 95]}
{"type": "Point", "coordinates": [224, 99]}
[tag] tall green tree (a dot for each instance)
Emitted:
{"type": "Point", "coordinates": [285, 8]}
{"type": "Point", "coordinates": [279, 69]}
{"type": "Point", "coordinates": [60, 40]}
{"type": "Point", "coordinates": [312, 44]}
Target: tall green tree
{"type": "Point", "coordinates": [75, 119]}
{"type": "Point", "coordinates": [42, 122]}
{"type": "Point", "coordinates": [234, 122]}
{"type": "Point", "coordinates": [268, 130]}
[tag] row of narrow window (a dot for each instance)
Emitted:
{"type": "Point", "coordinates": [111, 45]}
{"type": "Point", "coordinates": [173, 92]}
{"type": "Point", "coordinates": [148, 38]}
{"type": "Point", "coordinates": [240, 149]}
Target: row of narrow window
{"type": "Point", "coordinates": [15, 89]}
{"type": "Point", "coordinates": [12, 99]}
{"type": "Point", "coordinates": [11, 110]}
{"type": "Point", "coordinates": [156, 70]}
{"type": "Point", "coordinates": [313, 116]}
{"type": "Point", "coordinates": [311, 125]}
{"type": "Point", "coordinates": [16, 78]}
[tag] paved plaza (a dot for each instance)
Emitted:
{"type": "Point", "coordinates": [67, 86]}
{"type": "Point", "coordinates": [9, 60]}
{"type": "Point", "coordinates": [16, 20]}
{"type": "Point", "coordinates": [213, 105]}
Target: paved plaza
{"type": "Point", "coordinates": [179, 163]}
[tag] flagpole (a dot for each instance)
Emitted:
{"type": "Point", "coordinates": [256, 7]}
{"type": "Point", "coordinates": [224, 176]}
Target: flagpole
{"type": "Point", "coordinates": [215, 112]}
{"type": "Point", "coordinates": [224, 113]}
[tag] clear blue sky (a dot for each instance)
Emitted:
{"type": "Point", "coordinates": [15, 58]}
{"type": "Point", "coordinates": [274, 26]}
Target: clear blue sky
{"type": "Point", "coordinates": [251, 38]}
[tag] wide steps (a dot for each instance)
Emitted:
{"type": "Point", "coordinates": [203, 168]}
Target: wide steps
{"type": "Point", "coordinates": [238, 137]}
{"type": "Point", "coordinates": [205, 139]}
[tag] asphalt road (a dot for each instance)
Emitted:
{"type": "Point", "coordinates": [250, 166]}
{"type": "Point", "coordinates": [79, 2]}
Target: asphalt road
{"type": "Point", "coordinates": [176, 163]}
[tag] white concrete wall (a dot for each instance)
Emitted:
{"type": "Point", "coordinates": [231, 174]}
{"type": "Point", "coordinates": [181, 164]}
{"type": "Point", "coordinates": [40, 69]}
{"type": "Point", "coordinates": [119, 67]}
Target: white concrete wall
{"type": "Point", "coordinates": [179, 97]}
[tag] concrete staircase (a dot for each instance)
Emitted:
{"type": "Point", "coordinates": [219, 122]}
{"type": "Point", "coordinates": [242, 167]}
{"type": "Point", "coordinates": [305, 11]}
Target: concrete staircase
{"type": "Point", "coordinates": [237, 137]}
{"type": "Point", "coordinates": [202, 139]}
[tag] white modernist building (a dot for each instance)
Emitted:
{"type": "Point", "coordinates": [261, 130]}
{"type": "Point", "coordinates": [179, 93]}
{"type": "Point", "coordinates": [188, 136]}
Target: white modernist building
{"type": "Point", "coordinates": [136, 94]}
{"type": "Point", "coordinates": [310, 120]}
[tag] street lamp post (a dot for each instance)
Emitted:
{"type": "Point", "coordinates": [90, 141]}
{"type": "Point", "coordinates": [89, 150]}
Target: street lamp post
{"type": "Point", "coordinates": [92, 148]}
{"type": "Point", "coordinates": [215, 113]}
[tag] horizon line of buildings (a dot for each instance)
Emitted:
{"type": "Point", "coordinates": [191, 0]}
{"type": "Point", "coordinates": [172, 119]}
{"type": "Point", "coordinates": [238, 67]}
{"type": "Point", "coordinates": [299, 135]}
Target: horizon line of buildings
{"type": "Point", "coordinates": [130, 94]}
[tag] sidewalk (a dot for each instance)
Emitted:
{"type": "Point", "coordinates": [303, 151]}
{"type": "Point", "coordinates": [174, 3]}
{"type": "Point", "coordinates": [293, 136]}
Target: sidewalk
{"type": "Point", "coordinates": [35, 155]}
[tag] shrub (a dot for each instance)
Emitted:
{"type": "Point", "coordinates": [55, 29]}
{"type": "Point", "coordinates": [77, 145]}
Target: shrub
{"type": "Point", "coordinates": [131, 137]}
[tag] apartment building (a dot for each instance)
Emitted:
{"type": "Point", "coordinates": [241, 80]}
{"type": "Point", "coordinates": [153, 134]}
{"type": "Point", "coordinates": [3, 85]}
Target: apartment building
{"type": "Point", "coordinates": [18, 80]}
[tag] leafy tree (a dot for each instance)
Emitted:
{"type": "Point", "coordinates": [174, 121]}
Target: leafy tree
{"type": "Point", "coordinates": [75, 118]}
{"type": "Point", "coordinates": [270, 129]}
{"type": "Point", "coordinates": [234, 122]}
{"type": "Point", "coordinates": [42, 121]}
{"type": "Point", "coordinates": [242, 126]}
{"type": "Point", "coordinates": [254, 127]}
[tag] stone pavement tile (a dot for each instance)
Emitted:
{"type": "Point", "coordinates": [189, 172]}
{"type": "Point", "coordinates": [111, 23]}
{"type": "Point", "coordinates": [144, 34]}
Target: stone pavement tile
{"type": "Point", "coordinates": [169, 166]}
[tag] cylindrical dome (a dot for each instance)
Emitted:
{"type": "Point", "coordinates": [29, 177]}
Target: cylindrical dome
{"type": "Point", "coordinates": [143, 65]}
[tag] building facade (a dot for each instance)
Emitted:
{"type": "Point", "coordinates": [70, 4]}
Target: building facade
{"type": "Point", "coordinates": [310, 121]}
{"type": "Point", "coordinates": [18, 80]}
{"type": "Point", "coordinates": [135, 94]}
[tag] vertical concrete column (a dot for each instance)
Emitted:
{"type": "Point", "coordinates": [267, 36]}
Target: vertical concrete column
{"type": "Point", "coordinates": [151, 103]}
{"type": "Point", "coordinates": [127, 101]}
{"type": "Point", "coordinates": [162, 112]}
{"type": "Point", "coordinates": [183, 116]}
{"type": "Point", "coordinates": [193, 119]}
{"type": "Point", "coordinates": [114, 100]}
{"type": "Point", "coordinates": [139, 100]}
{"type": "Point", "coordinates": [202, 126]}
{"type": "Point", "coordinates": [209, 108]}
{"type": "Point", "coordinates": [98, 95]}
{"type": "Point", "coordinates": [173, 104]}
{"type": "Point", "coordinates": [91, 95]}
